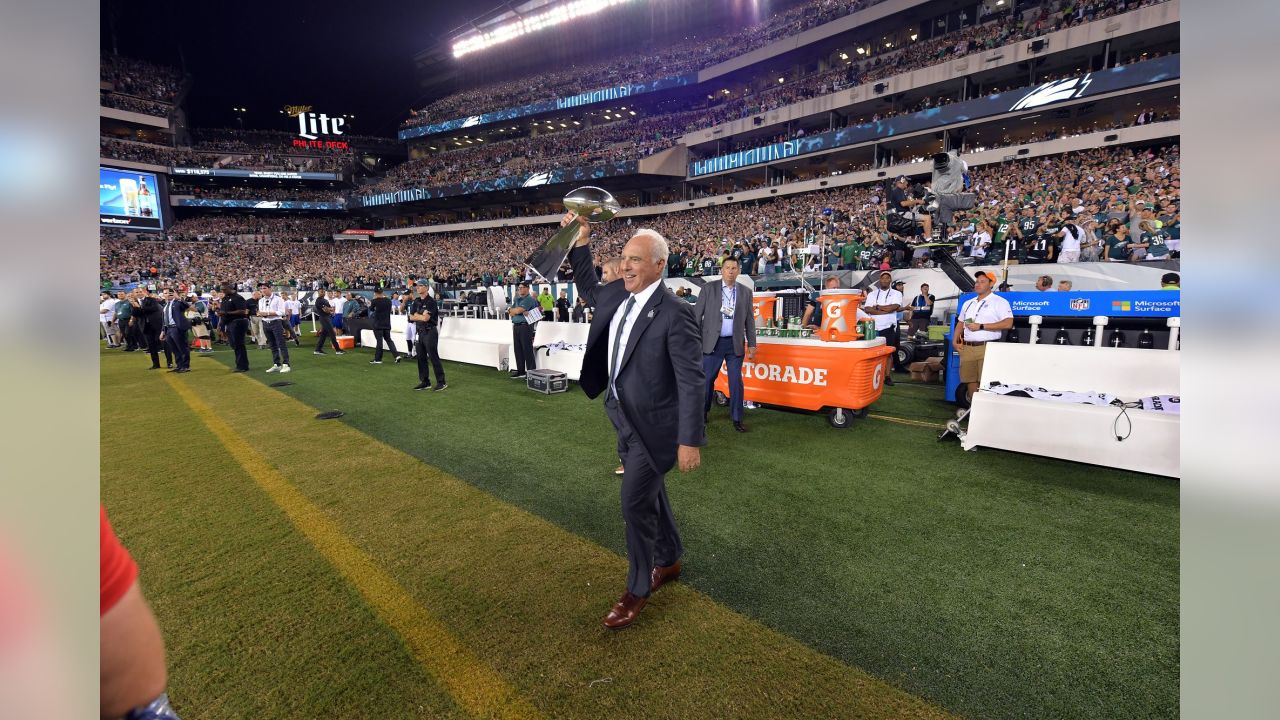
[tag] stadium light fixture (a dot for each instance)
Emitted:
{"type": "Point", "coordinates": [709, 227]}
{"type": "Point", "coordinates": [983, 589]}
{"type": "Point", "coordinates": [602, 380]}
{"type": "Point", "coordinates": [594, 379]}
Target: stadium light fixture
{"type": "Point", "coordinates": [782, 80]}
{"type": "Point", "coordinates": [861, 51]}
{"type": "Point", "coordinates": [633, 112]}
{"type": "Point", "coordinates": [563, 125]}
{"type": "Point", "coordinates": [844, 55]}
{"type": "Point", "coordinates": [530, 24]}
{"type": "Point", "coordinates": [913, 37]}
{"type": "Point", "coordinates": [575, 122]}
{"type": "Point", "coordinates": [726, 92]}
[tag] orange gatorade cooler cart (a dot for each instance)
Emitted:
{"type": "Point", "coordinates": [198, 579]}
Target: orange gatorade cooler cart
{"type": "Point", "coordinates": [843, 376]}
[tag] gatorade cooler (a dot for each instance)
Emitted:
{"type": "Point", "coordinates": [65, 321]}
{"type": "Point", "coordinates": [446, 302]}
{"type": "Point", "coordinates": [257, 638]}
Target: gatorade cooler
{"type": "Point", "coordinates": [839, 314]}
{"type": "Point", "coordinates": [842, 378]}
{"type": "Point", "coordinates": [766, 304]}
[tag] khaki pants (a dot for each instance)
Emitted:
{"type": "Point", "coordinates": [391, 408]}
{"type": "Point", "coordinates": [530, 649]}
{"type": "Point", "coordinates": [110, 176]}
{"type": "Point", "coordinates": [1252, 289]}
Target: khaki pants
{"type": "Point", "coordinates": [255, 331]}
{"type": "Point", "coordinates": [971, 359]}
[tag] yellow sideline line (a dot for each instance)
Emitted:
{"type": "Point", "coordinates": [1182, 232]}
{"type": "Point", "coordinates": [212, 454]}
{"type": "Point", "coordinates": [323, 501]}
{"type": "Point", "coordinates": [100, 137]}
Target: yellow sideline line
{"type": "Point", "coordinates": [904, 421]}
{"type": "Point", "coordinates": [475, 687]}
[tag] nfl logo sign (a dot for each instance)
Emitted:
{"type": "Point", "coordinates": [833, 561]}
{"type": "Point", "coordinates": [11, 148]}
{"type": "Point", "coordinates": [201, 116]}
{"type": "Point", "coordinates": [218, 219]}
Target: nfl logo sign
{"type": "Point", "coordinates": [1079, 303]}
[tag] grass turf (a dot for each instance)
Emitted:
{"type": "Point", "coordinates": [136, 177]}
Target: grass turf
{"type": "Point", "coordinates": [510, 588]}
{"type": "Point", "coordinates": [994, 584]}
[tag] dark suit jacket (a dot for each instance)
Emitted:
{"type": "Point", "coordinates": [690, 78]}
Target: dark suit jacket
{"type": "Point", "coordinates": [380, 308]}
{"type": "Point", "coordinates": [149, 313]}
{"type": "Point", "coordinates": [660, 381]}
{"type": "Point", "coordinates": [708, 313]}
{"type": "Point", "coordinates": [180, 320]}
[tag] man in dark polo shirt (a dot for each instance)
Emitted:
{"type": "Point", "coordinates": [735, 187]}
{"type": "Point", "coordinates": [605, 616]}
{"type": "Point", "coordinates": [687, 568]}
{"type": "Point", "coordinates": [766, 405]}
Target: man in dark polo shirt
{"type": "Point", "coordinates": [426, 325]}
{"type": "Point", "coordinates": [380, 309]}
{"type": "Point", "coordinates": [522, 329]}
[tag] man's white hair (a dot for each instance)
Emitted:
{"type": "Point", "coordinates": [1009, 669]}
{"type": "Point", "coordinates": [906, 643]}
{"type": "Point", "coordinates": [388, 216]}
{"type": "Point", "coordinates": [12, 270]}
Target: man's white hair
{"type": "Point", "coordinates": [659, 244]}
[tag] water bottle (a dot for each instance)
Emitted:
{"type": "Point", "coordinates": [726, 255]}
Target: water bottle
{"type": "Point", "coordinates": [1062, 338]}
{"type": "Point", "coordinates": [1013, 335]}
{"type": "Point", "coordinates": [1116, 339]}
{"type": "Point", "coordinates": [1086, 338]}
{"type": "Point", "coordinates": [1146, 340]}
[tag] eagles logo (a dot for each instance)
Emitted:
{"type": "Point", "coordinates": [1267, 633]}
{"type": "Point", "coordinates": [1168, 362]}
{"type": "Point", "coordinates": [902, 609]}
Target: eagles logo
{"type": "Point", "coordinates": [1052, 92]}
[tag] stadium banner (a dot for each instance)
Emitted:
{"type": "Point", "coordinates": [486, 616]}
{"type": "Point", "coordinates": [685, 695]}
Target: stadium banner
{"type": "Point", "coordinates": [261, 204]}
{"type": "Point", "coordinates": [549, 177]}
{"type": "Point", "coordinates": [259, 174]}
{"type": "Point", "coordinates": [1125, 303]}
{"type": "Point", "coordinates": [129, 199]}
{"type": "Point", "coordinates": [619, 92]}
{"type": "Point", "coordinates": [1026, 98]}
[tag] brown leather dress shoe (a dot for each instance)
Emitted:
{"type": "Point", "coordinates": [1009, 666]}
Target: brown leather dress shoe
{"type": "Point", "coordinates": [624, 612]}
{"type": "Point", "coordinates": [663, 575]}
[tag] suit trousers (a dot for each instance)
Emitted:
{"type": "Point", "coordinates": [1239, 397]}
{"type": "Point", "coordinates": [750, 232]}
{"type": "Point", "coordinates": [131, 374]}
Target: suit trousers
{"type": "Point", "coordinates": [274, 329]}
{"type": "Point", "coordinates": [151, 335]}
{"type": "Point", "coordinates": [652, 538]}
{"type": "Point", "coordinates": [522, 337]}
{"type": "Point", "coordinates": [176, 339]}
{"type": "Point", "coordinates": [236, 330]}
{"type": "Point", "coordinates": [326, 331]}
{"type": "Point", "coordinates": [379, 335]}
{"type": "Point", "coordinates": [426, 345]}
{"type": "Point", "coordinates": [724, 353]}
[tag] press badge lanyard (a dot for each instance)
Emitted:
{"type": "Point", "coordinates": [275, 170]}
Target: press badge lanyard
{"type": "Point", "coordinates": [729, 302]}
{"type": "Point", "coordinates": [980, 306]}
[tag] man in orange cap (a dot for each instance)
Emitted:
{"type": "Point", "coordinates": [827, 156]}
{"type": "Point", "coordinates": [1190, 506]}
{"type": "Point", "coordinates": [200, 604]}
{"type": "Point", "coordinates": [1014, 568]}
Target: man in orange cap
{"type": "Point", "coordinates": [980, 321]}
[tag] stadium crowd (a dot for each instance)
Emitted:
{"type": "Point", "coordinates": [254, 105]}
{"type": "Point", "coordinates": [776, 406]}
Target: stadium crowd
{"type": "Point", "coordinates": [219, 228]}
{"type": "Point", "coordinates": [1097, 190]}
{"type": "Point", "coordinates": [299, 160]}
{"type": "Point", "coordinates": [645, 64]}
{"type": "Point", "coordinates": [633, 139]}
{"type": "Point", "coordinates": [258, 193]}
{"type": "Point", "coordinates": [140, 78]}
{"type": "Point", "coordinates": [997, 25]}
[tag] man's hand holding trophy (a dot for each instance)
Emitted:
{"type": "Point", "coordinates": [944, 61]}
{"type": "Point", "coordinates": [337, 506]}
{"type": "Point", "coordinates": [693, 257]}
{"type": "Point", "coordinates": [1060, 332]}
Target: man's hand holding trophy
{"type": "Point", "coordinates": [587, 205]}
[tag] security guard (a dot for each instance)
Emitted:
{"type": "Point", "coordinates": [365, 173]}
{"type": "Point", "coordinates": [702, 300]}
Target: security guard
{"type": "Point", "coordinates": [426, 325]}
{"type": "Point", "coordinates": [522, 330]}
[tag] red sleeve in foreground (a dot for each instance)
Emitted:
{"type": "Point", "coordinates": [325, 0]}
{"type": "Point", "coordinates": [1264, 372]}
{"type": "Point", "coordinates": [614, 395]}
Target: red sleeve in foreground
{"type": "Point", "coordinates": [117, 571]}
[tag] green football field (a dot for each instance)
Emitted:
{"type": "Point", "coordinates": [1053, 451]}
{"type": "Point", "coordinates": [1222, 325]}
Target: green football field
{"type": "Point", "coordinates": [452, 554]}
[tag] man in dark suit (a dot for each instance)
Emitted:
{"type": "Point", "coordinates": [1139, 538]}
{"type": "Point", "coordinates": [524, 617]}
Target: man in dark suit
{"type": "Point", "coordinates": [643, 355]}
{"type": "Point", "coordinates": [235, 321]}
{"type": "Point", "coordinates": [147, 310]}
{"type": "Point", "coordinates": [323, 312]}
{"type": "Point", "coordinates": [380, 309]}
{"type": "Point", "coordinates": [176, 326]}
{"type": "Point", "coordinates": [727, 317]}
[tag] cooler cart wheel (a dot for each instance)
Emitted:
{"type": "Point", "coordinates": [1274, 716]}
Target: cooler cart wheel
{"type": "Point", "coordinates": [721, 399]}
{"type": "Point", "coordinates": [840, 418]}
{"type": "Point", "coordinates": [860, 412]}
{"type": "Point", "coordinates": [906, 354]}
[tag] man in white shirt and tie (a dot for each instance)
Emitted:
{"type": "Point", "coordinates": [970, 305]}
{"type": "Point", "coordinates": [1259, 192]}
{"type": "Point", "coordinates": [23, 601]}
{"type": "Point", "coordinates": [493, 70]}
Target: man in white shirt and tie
{"type": "Point", "coordinates": [644, 355]}
{"type": "Point", "coordinates": [882, 304]}
{"type": "Point", "coordinates": [980, 321]}
{"type": "Point", "coordinates": [272, 310]}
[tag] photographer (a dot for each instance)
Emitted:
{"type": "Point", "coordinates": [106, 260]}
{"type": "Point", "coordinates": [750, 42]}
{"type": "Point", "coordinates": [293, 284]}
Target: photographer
{"type": "Point", "coordinates": [905, 204]}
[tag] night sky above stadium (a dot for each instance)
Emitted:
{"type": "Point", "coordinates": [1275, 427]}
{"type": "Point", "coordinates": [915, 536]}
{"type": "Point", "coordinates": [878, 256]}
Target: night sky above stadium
{"type": "Point", "coordinates": [340, 57]}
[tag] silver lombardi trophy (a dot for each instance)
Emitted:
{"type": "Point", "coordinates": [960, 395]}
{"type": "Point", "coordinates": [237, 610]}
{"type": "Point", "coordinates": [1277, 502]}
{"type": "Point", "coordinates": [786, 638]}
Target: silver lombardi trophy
{"type": "Point", "coordinates": [593, 203]}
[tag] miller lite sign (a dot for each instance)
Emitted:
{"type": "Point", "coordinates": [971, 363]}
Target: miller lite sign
{"type": "Point", "coordinates": [310, 123]}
